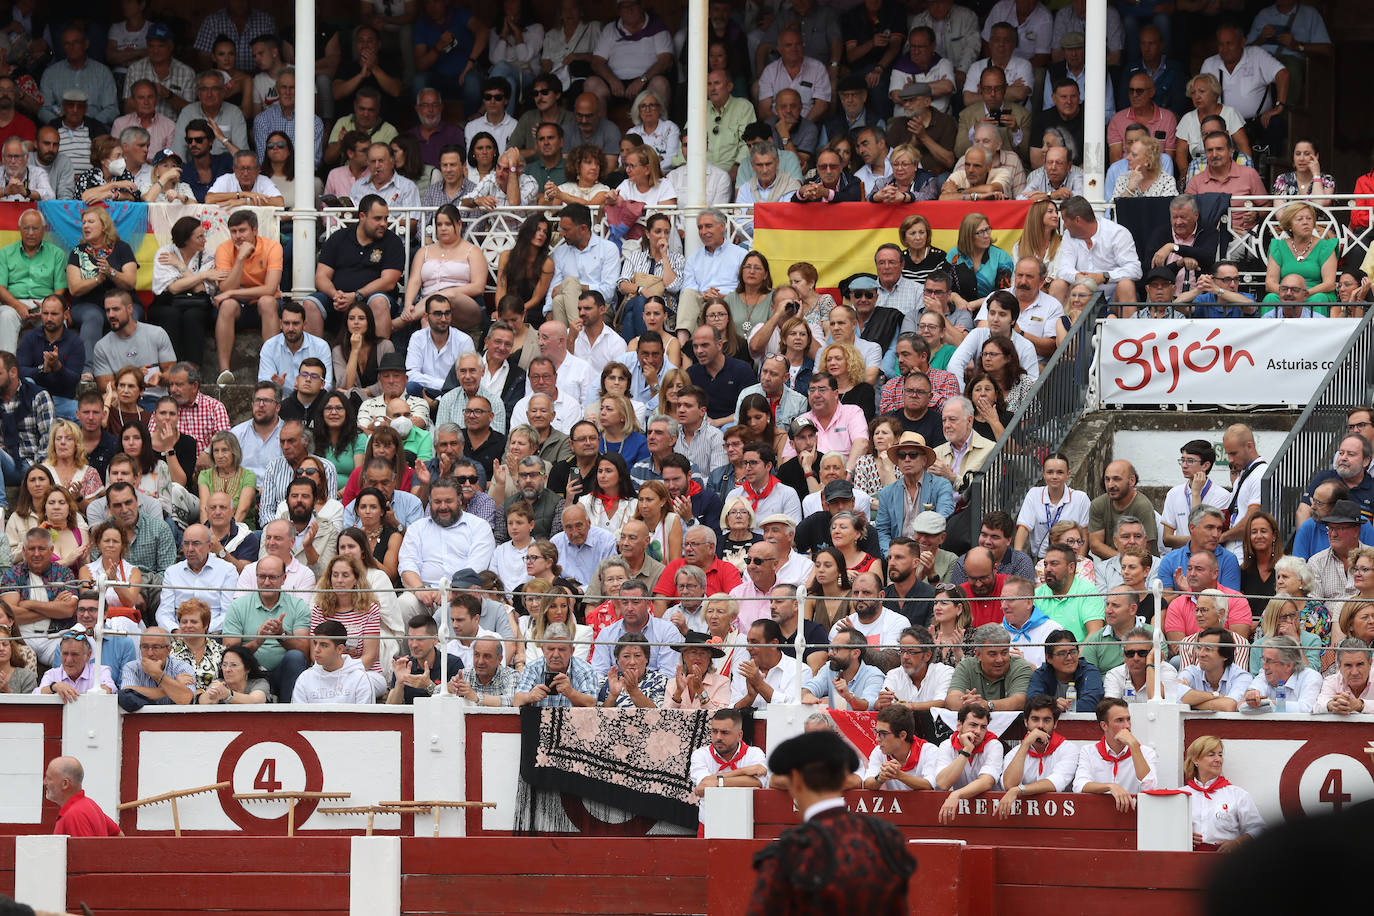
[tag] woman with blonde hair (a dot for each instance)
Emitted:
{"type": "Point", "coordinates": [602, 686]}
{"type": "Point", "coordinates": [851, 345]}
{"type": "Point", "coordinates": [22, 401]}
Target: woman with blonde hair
{"type": "Point", "coordinates": [67, 462]}
{"type": "Point", "coordinates": [616, 380]}
{"type": "Point", "coordinates": [644, 182]}
{"type": "Point", "coordinates": [1145, 175]}
{"type": "Point", "coordinates": [720, 612]}
{"type": "Point", "coordinates": [1080, 294]}
{"type": "Point", "coordinates": [556, 605]}
{"type": "Point", "coordinates": [908, 182]}
{"type": "Point", "coordinates": [1283, 617]}
{"type": "Point", "coordinates": [1040, 238]}
{"type": "Point", "coordinates": [1302, 253]}
{"type": "Point", "coordinates": [673, 382]}
{"type": "Point", "coordinates": [979, 266]}
{"type": "Point", "coordinates": [62, 519]}
{"type": "Point", "coordinates": [1224, 815]}
{"type": "Point", "coordinates": [191, 645]}
{"type": "Point", "coordinates": [620, 433]}
{"type": "Point", "coordinates": [101, 263]}
{"type": "Point", "coordinates": [342, 594]}
{"type": "Point", "coordinates": [920, 256]}
{"type": "Point", "coordinates": [846, 364]}
{"type": "Point", "coordinates": [1204, 91]}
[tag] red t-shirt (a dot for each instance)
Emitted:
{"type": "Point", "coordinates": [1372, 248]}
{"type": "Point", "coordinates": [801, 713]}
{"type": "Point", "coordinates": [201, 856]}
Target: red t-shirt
{"type": "Point", "coordinates": [985, 611]}
{"type": "Point", "coordinates": [82, 817]}
{"type": "Point", "coordinates": [721, 577]}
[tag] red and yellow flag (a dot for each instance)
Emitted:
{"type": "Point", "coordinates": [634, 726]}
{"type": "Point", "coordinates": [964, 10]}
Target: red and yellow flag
{"type": "Point", "coordinates": [839, 239]}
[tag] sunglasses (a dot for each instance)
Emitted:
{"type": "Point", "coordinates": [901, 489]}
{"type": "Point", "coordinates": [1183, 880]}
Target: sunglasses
{"type": "Point", "coordinates": [465, 478]}
{"type": "Point", "coordinates": [757, 561]}
{"type": "Point", "coordinates": [494, 97]}
{"type": "Point", "coordinates": [1136, 653]}
{"type": "Point", "coordinates": [545, 91]}
{"type": "Point", "coordinates": [276, 144]}
{"type": "Point", "coordinates": [905, 455]}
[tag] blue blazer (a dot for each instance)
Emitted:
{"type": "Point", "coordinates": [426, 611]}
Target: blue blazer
{"type": "Point", "coordinates": [891, 499]}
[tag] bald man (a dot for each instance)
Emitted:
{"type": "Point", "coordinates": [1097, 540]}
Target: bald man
{"type": "Point", "coordinates": [77, 815]}
{"type": "Point", "coordinates": [156, 677]}
{"type": "Point", "coordinates": [1120, 497]}
{"type": "Point", "coordinates": [1247, 469]}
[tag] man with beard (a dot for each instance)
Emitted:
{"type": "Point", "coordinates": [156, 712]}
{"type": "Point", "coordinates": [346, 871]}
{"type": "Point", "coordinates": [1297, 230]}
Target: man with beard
{"type": "Point", "coordinates": [919, 683]}
{"type": "Point", "coordinates": [906, 593]}
{"type": "Point", "coordinates": [1068, 600]}
{"type": "Point", "coordinates": [295, 444]}
{"type": "Point", "coordinates": [314, 538]}
{"type": "Point", "coordinates": [1353, 455]}
{"type": "Point", "coordinates": [529, 480]}
{"type": "Point", "coordinates": [50, 355]}
{"type": "Point", "coordinates": [1043, 762]}
{"type": "Point", "coordinates": [132, 343]}
{"type": "Point", "coordinates": [259, 434]}
{"type": "Point", "coordinates": [362, 265]}
{"type": "Point", "coordinates": [22, 182]}
{"type": "Point", "coordinates": [449, 539]}
{"type": "Point", "coordinates": [47, 156]}
{"type": "Point", "coordinates": [283, 354]}
{"type": "Point", "coordinates": [783, 609]}
{"type": "Point", "coordinates": [853, 683]}
{"type": "Point", "coordinates": [151, 547]}
{"type": "Point", "coordinates": [1120, 498]}
{"type": "Point", "coordinates": [991, 674]}
{"type": "Point", "coordinates": [727, 760]}
{"type": "Point", "coordinates": [877, 624]}
{"type": "Point", "coordinates": [764, 493]}
{"type": "Point", "coordinates": [12, 123]}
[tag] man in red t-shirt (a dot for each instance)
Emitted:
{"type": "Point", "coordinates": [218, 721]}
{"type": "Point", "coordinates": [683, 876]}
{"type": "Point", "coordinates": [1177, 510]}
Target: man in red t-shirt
{"type": "Point", "coordinates": [983, 587]}
{"type": "Point", "coordinates": [77, 815]}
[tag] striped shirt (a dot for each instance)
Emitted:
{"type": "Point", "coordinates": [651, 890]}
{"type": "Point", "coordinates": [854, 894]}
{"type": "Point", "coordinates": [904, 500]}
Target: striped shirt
{"type": "Point", "coordinates": [360, 626]}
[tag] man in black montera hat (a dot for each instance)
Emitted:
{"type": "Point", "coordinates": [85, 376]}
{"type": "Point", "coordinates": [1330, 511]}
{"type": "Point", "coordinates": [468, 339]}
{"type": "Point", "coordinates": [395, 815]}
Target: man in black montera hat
{"type": "Point", "coordinates": [834, 861]}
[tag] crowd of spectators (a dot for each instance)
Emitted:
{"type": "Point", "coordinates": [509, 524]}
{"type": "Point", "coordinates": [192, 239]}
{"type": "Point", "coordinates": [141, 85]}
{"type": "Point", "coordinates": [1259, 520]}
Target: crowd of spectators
{"type": "Point", "coordinates": [633, 447]}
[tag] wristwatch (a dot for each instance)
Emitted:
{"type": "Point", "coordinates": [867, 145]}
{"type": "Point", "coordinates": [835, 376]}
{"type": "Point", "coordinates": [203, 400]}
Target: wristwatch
{"type": "Point", "coordinates": [222, 553]}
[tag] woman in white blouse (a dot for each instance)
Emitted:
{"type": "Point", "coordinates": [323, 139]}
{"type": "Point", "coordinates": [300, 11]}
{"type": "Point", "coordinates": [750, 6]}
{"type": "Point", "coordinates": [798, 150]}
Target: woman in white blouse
{"type": "Point", "coordinates": [184, 284]}
{"type": "Point", "coordinates": [1224, 815]}
{"type": "Point", "coordinates": [657, 132]}
{"type": "Point", "coordinates": [568, 46]}
{"type": "Point", "coordinates": [644, 181]}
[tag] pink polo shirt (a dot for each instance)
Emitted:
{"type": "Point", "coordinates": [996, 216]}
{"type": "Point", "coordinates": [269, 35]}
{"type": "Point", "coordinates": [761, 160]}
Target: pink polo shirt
{"type": "Point", "coordinates": [1241, 180]}
{"type": "Point", "coordinates": [847, 426]}
{"type": "Point", "coordinates": [1163, 120]}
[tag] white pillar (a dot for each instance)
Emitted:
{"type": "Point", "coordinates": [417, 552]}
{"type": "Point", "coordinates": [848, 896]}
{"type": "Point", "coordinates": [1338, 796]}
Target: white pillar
{"type": "Point", "coordinates": [1160, 725]}
{"type": "Point", "coordinates": [440, 766]}
{"type": "Point", "coordinates": [374, 883]}
{"type": "Point", "coordinates": [697, 31]}
{"type": "Point", "coordinates": [91, 734]}
{"type": "Point", "coordinates": [40, 872]}
{"type": "Point", "coordinates": [1164, 823]}
{"type": "Point", "coordinates": [1095, 104]}
{"type": "Point", "coordinates": [728, 813]}
{"type": "Point", "coordinates": [303, 230]}
{"type": "Point", "coordinates": [787, 721]}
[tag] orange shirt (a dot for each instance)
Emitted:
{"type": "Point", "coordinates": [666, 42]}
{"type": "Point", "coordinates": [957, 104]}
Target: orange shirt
{"type": "Point", "coordinates": [266, 256]}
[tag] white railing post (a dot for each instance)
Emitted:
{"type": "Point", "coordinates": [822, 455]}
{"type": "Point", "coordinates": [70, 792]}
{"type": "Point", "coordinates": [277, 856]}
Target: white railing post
{"type": "Point", "coordinates": [1160, 646]}
{"type": "Point", "coordinates": [1095, 104]}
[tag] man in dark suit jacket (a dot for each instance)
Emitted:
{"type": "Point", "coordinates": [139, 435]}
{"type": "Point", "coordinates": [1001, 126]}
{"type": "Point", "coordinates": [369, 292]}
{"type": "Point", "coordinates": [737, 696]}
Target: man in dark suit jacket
{"type": "Point", "coordinates": [831, 185]}
{"type": "Point", "coordinates": [834, 861]}
{"type": "Point", "coordinates": [1185, 240]}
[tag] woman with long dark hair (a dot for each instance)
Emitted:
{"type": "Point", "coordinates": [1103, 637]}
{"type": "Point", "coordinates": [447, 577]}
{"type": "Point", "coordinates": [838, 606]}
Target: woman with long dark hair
{"type": "Point", "coordinates": [1001, 362]}
{"type": "Point", "coordinates": [526, 269]}
{"type": "Point", "coordinates": [828, 588]}
{"type": "Point", "coordinates": [337, 439]}
{"type": "Point", "coordinates": [610, 501]}
{"type": "Point", "coordinates": [756, 418]}
{"type": "Point", "coordinates": [357, 352]}
{"type": "Point", "coordinates": [184, 279]}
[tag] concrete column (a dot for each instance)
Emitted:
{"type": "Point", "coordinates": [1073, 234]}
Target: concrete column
{"type": "Point", "coordinates": [787, 721]}
{"type": "Point", "coordinates": [440, 762]}
{"type": "Point", "coordinates": [1095, 104]}
{"type": "Point", "coordinates": [696, 122]}
{"type": "Point", "coordinates": [374, 875]}
{"type": "Point", "coordinates": [302, 279]}
{"type": "Point", "coordinates": [1164, 823]}
{"type": "Point", "coordinates": [91, 734]}
{"type": "Point", "coordinates": [728, 813]}
{"type": "Point", "coordinates": [40, 872]}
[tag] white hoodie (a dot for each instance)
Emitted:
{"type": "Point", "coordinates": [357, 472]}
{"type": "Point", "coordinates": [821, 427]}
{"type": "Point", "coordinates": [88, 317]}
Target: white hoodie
{"type": "Point", "coordinates": [349, 684]}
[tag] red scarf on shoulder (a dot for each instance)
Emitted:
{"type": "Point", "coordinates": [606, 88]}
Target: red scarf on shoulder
{"type": "Point", "coordinates": [755, 497]}
{"type": "Point", "coordinates": [1220, 783]}
{"type": "Point", "coordinates": [1055, 740]}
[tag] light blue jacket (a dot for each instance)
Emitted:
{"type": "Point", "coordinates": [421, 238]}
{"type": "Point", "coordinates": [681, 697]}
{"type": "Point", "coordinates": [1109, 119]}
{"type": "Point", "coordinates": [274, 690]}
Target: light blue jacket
{"type": "Point", "coordinates": [891, 505]}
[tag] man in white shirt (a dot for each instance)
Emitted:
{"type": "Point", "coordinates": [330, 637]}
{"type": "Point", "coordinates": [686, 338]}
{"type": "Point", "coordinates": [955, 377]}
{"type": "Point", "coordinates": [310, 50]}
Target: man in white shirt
{"type": "Point", "coordinates": [1000, 312]}
{"type": "Point", "coordinates": [1027, 625]}
{"type": "Point", "coordinates": [465, 616]}
{"type": "Point", "coordinates": [919, 683]}
{"type": "Point", "coordinates": [245, 185]}
{"type": "Point", "coordinates": [1039, 311]}
{"type": "Point", "coordinates": [1245, 74]}
{"type": "Point", "coordinates": [727, 761]}
{"type": "Point", "coordinates": [970, 762]}
{"type": "Point", "coordinates": [902, 761]}
{"type": "Point", "coordinates": [761, 489]}
{"type": "Point", "coordinates": [575, 376]}
{"type": "Point", "coordinates": [596, 344]}
{"type": "Point", "coordinates": [1247, 471]}
{"type": "Point", "coordinates": [582, 262]}
{"type": "Point", "coordinates": [1284, 668]}
{"type": "Point", "coordinates": [634, 53]}
{"type": "Point", "coordinates": [382, 179]}
{"type": "Point", "coordinates": [336, 676]}
{"type": "Point", "coordinates": [881, 626]}
{"type": "Point", "coordinates": [494, 118]}
{"type": "Point", "coordinates": [794, 70]}
{"type": "Point", "coordinates": [433, 547]}
{"type": "Point", "coordinates": [1215, 682]}
{"type": "Point", "coordinates": [1042, 762]}
{"type": "Point", "coordinates": [431, 356]}
{"type": "Point", "coordinates": [719, 187]}
{"type": "Point", "coordinates": [278, 540]}
{"type": "Point", "coordinates": [1098, 249]}
{"type": "Point", "coordinates": [768, 676]}
{"type": "Point", "coordinates": [198, 576]}
{"type": "Point", "coordinates": [1034, 28]}
{"type": "Point", "coordinates": [1195, 460]}
{"type": "Point", "coordinates": [1118, 764]}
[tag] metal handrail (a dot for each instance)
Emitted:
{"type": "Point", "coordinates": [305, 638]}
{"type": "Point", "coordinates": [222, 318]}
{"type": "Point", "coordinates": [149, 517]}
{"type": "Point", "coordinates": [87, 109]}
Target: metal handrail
{"type": "Point", "coordinates": [1312, 441]}
{"type": "Point", "coordinates": [1044, 420]}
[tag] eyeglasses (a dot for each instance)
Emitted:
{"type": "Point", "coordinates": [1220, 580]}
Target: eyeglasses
{"type": "Point", "coordinates": [1356, 427]}
{"type": "Point", "coordinates": [475, 411]}
{"type": "Point", "coordinates": [272, 401]}
{"type": "Point", "coordinates": [441, 313]}
{"type": "Point", "coordinates": [465, 478]}
{"type": "Point", "coordinates": [983, 231]}
{"type": "Point", "coordinates": [1066, 653]}
{"type": "Point", "coordinates": [1235, 279]}
{"type": "Point", "coordinates": [1136, 653]}
{"type": "Point", "coordinates": [493, 97]}
{"type": "Point", "coordinates": [1294, 290]}
{"type": "Point", "coordinates": [313, 376]}
{"type": "Point", "coordinates": [330, 408]}
{"type": "Point", "coordinates": [1185, 462]}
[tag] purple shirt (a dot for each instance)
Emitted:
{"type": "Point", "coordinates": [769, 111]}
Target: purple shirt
{"type": "Point", "coordinates": [429, 149]}
{"type": "Point", "coordinates": [83, 684]}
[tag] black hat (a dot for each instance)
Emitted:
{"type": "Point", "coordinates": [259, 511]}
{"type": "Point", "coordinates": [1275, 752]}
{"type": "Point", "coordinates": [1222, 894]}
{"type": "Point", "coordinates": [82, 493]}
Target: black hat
{"type": "Point", "coordinates": [694, 639]}
{"type": "Point", "coordinates": [811, 747]}
{"type": "Point", "coordinates": [465, 578]}
{"type": "Point", "coordinates": [838, 489]}
{"type": "Point", "coordinates": [1345, 512]}
{"type": "Point", "coordinates": [853, 83]}
{"type": "Point", "coordinates": [1162, 272]}
{"type": "Point", "coordinates": [393, 361]}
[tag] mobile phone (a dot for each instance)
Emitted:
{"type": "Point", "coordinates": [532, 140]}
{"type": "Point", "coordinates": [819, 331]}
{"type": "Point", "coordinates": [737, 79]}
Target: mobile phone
{"type": "Point", "coordinates": [548, 679]}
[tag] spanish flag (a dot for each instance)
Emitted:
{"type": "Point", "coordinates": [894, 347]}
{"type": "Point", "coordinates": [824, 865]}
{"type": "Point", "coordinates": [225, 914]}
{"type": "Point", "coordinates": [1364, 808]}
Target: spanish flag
{"type": "Point", "coordinates": [839, 239]}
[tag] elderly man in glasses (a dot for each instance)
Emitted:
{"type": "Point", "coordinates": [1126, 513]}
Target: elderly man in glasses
{"type": "Point", "coordinates": [273, 623]}
{"type": "Point", "coordinates": [76, 673]}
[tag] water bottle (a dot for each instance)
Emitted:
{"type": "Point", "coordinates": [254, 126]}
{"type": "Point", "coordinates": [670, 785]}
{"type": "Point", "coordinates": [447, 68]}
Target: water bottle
{"type": "Point", "coordinates": [1130, 694]}
{"type": "Point", "coordinates": [1281, 698]}
{"type": "Point", "coordinates": [1071, 694]}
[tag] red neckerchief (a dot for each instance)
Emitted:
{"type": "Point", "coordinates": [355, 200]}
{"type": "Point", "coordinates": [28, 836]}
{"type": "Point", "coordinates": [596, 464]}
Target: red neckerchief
{"type": "Point", "coordinates": [602, 616]}
{"type": "Point", "coordinates": [914, 755]}
{"type": "Point", "coordinates": [756, 497]}
{"type": "Point", "coordinates": [732, 763]}
{"type": "Point", "coordinates": [773, 405]}
{"type": "Point", "coordinates": [1107, 755]}
{"type": "Point", "coordinates": [1220, 783]}
{"type": "Point", "coordinates": [958, 745]}
{"type": "Point", "coordinates": [608, 503]}
{"type": "Point", "coordinates": [1055, 740]}
{"type": "Point", "coordinates": [693, 488]}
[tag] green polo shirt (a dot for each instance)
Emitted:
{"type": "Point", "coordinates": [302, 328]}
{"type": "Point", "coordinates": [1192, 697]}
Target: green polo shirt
{"type": "Point", "coordinates": [247, 613]}
{"type": "Point", "coordinates": [723, 144]}
{"type": "Point", "coordinates": [1103, 649]}
{"type": "Point", "coordinates": [33, 277]}
{"type": "Point", "coordinates": [968, 675]}
{"type": "Point", "coordinates": [1075, 610]}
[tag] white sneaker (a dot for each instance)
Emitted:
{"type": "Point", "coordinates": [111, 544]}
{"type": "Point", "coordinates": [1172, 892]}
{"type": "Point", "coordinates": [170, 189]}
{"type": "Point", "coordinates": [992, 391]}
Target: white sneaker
{"type": "Point", "coordinates": [225, 378]}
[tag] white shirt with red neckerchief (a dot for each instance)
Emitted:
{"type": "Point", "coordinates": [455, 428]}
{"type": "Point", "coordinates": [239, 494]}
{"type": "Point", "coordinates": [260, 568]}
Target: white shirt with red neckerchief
{"type": "Point", "coordinates": [922, 759]}
{"type": "Point", "coordinates": [986, 761]}
{"type": "Point", "coordinates": [1097, 762]}
{"type": "Point", "coordinates": [1222, 811]}
{"type": "Point", "coordinates": [705, 762]}
{"type": "Point", "coordinates": [1058, 764]}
